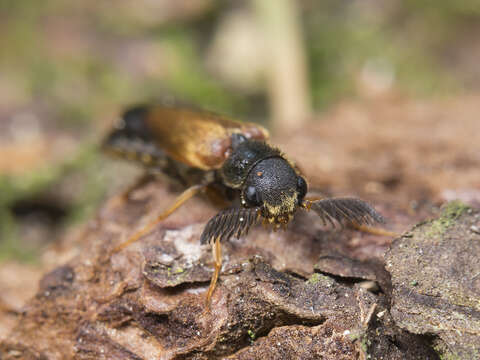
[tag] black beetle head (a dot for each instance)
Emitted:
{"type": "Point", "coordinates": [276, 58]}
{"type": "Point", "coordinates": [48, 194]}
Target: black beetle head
{"type": "Point", "coordinates": [274, 187]}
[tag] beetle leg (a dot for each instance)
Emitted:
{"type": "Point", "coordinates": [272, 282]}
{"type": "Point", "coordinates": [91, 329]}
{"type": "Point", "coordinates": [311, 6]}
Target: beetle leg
{"type": "Point", "coordinates": [374, 230]}
{"type": "Point", "coordinates": [179, 201]}
{"type": "Point", "coordinates": [265, 223]}
{"type": "Point", "coordinates": [123, 197]}
{"type": "Point", "coordinates": [217, 256]}
{"type": "Point", "coordinates": [307, 202]}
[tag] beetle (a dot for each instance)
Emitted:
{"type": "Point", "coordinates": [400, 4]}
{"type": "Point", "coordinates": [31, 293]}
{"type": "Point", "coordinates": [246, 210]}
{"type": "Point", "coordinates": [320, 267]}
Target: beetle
{"type": "Point", "coordinates": [206, 151]}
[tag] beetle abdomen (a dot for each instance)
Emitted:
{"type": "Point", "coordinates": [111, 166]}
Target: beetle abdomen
{"type": "Point", "coordinates": [131, 139]}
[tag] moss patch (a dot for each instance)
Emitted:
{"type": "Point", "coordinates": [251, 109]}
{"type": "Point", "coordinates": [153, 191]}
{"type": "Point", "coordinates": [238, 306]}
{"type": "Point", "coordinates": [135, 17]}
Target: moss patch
{"type": "Point", "coordinates": [450, 213]}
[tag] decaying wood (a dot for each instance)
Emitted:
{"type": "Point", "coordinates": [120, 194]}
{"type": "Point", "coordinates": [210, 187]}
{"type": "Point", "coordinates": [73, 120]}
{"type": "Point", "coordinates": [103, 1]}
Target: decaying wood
{"type": "Point", "coordinates": [293, 294]}
{"type": "Point", "coordinates": [148, 301]}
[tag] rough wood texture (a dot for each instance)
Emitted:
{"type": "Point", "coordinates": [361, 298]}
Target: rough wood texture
{"type": "Point", "coordinates": [148, 301]}
{"type": "Point", "coordinates": [436, 281]}
{"type": "Point", "coordinates": [294, 294]}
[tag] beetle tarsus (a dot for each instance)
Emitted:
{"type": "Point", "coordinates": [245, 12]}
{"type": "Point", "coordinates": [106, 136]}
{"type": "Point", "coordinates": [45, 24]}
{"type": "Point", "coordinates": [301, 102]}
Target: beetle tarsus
{"type": "Point", "coordinates": [217, 256]}
{"type": "Point", "coordinates": [375, 230]}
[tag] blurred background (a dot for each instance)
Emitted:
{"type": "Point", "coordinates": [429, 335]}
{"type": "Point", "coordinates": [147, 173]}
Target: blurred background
{"type": "Point", "coordinates": [69, 68]}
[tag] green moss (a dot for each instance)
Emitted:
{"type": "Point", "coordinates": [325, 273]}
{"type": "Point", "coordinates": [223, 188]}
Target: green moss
{"type": "Point", "coordinates": [443, 352]}
{"type": "Point", "coordinates": [449, 356]}
{"type": "Point", "coordinates": [450, 213]}
{"type": "Point", "coordinates": [179, 270]}
{"type": "Point", "coordinates": [361, 339]}
{"type": "Point", "coordinates": [315, 278]}
{"type": "Point", "coordinates": [454, 209]}
{"type": "Point", "coordinates": [364, 345]}
{"type": "Point", "coordinates": [251, 334]}
{"type": "Point", "coordinates": [319, 278]}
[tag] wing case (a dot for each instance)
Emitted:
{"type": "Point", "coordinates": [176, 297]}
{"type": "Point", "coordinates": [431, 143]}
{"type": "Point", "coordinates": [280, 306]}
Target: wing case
{"type": "Point", "coordinates": [199, 139]}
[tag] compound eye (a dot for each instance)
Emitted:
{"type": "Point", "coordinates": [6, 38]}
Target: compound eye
{"type": "Point", "coordinates": [251, 196]}
{"type": "Point", "coordinates": [301, 187]}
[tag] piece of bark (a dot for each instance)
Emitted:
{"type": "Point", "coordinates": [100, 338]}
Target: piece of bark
{"type": "Point", "coordinates": [436, 281]}
{"type": "Point", "coordinates": [368, 274]}
{"type": "Point", "coordinates": [148, 301]}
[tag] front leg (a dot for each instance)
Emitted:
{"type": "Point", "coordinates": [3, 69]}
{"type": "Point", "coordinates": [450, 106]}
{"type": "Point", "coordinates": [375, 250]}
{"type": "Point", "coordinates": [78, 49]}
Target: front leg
{"type": "Point", "coordinates": [227, 223]}
{"type": "Point", "coordinates": [179, 201]}
{"type": "Point", "coordinates": [217, 256]}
